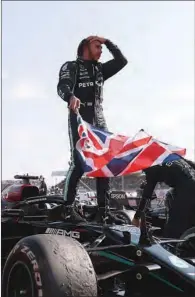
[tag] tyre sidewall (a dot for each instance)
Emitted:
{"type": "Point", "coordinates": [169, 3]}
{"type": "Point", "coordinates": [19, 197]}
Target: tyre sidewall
{"type": "Point", "coordinates": [24, 255]}
{"type": "Point", "coordinates": [60, 266]}
{"type": "Point", "coordinates": [127, 215]}
{"type": "Point", "coordinates": [187, 235]}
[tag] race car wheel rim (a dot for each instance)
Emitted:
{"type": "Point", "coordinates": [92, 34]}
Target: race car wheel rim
{"type": "Point", "coordinates": [20, 282]}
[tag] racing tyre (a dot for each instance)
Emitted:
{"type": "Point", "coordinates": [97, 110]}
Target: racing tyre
{"type": "Point", "coordinates": [48, 266]}
{"type": "Point", "coordinates": [187, 248]}
{"type": "Point", "coordinates": [126, 215]}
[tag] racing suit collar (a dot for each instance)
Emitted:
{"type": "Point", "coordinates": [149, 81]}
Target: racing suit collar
{"type": "Point", "coordinates": [89, 62]}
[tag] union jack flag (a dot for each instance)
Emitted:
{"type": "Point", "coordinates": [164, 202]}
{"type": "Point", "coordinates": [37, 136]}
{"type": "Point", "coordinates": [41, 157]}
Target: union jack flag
{"type": "Point", "coordinates": [105, 154]}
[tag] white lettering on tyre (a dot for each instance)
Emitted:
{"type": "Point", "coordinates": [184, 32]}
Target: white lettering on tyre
{"type": "Point", "coordinates": [35, 266]}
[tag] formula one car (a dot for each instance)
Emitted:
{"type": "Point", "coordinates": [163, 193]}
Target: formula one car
{"type": "Point", "coordinates": [19, 191]}
{"type": "Point", "coordinates": [45, 255]}
{"type": "Point", "coordinates": [124, 203]}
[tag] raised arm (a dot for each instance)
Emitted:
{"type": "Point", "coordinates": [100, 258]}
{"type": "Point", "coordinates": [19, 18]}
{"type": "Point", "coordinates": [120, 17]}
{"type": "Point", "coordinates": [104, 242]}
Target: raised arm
{"type": "Point", "coordinates": [116, 64]}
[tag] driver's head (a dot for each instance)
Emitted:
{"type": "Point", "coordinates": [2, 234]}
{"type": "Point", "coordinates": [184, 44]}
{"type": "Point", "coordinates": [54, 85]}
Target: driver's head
{"type": "Point", "coordinates": [89, 50]}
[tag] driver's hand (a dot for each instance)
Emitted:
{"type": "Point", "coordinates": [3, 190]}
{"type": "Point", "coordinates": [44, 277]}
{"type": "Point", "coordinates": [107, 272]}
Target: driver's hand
{"type": "Point", "coordinates": [102, 40]}
{"type": "Point", "coordinates": [136, 222]}
{"type": "Point", "coordinates": [74, 103]}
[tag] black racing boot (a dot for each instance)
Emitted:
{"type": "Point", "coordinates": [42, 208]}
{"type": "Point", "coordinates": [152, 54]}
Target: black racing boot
{"type": "Point", "coordinates": [100, 216]}
{"type": "Point", "coordinates": [73, 216]}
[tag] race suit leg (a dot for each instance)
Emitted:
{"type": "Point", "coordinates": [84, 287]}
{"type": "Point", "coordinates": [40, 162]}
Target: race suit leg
{"type": "Point", "coordinates": [103, 187]}
{"type": "Point", "coordinates": [102, 183]}
{"type": "Point", "coordinates": [181, 214]}
{"type": "Point", "coordinates": [75, 171]}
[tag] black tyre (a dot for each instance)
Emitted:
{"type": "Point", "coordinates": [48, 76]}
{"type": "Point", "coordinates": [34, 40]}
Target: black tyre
{"type": "Point", "coordinates": [187, 248]}
{"type": "Point", "coordinates": [48, 266]}
{"type": "Point", "coordinates": [189, 233]}
{"type": "Point", "coordinates": [126, 215]}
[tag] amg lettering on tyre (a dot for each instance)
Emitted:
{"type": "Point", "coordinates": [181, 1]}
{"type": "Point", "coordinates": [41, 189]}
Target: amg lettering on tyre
{"type": "Point", "coordinates": [35, 266]}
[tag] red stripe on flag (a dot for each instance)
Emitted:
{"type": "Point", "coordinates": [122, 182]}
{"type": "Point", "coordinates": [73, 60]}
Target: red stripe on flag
{"type": "Point", "coordinates": [94, 140]}
{"type": "Point", "coordinates": [135, 144]}
{"type": "Point", "coordinates": [97, 173]}
{"type": "Point", "coordinates": [181, 152]}
{"type": "Point", "coordinates": [103, 159]}
{"type": "Point", "coordinates": [145, 159]}
{"type": "Point", "coordinates": [116, 146]}
{"type": "Point", "coordinates": [80, 130]}
{"type": "Point", "coordinates": [99, 161]}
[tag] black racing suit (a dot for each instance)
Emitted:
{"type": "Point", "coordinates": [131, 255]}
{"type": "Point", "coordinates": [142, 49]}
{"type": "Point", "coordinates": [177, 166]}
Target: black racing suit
{"type": "Point", "coordinates": [180, 176]}
{"type": "Point", "coordinates": [84, 79]}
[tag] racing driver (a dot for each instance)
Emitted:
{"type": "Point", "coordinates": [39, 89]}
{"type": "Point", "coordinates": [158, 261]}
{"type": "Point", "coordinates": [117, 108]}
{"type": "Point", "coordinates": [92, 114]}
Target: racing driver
{"type": "Point", "coordinates": [179, 175]}
{"type": "Point", "coordinates": [81, 86]}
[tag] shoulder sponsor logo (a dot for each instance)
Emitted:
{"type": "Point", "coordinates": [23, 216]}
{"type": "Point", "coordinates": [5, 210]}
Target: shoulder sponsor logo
{"type": "Point", "coordinates": [64, 67]}
{"type": "Point", "coordinates": [73, 234]}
